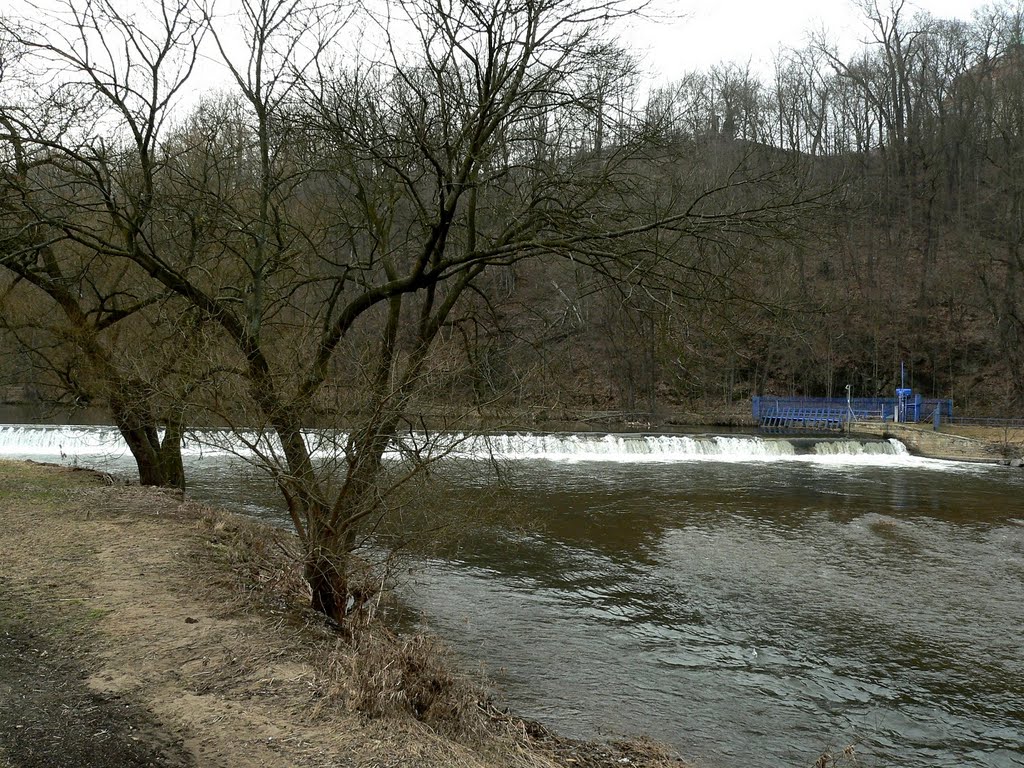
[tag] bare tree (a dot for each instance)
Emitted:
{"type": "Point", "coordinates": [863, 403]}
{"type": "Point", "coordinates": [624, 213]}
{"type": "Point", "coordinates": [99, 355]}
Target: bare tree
{"type": "Point", "coordinates": [80, 191]}
{"type": "Point", "coordinates": [323, 225]}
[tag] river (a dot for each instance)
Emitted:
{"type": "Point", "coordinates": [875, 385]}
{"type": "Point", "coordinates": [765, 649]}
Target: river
{"type": "Point", "coordinates": [748, 601]}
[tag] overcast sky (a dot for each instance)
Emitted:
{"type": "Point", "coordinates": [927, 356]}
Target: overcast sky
{"type": "Point", "coordinates": [686, 35]}
{"type": "Point", "coordinates": [713, 31]}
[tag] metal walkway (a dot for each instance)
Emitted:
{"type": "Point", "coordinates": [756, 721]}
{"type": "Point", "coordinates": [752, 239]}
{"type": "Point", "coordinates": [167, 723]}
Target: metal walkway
{"type": "Point", "coordinates": [782, 420]}
{"type": "Point", "coordinates": [830, 414]}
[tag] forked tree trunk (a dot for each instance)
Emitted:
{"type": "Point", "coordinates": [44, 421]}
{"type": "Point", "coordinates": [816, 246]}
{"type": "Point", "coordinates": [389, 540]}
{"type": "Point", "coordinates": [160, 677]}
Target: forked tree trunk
{"type": "Point", "coordinates": [331, 536]}
{"type": "Point", "coordinates": [159, 462]}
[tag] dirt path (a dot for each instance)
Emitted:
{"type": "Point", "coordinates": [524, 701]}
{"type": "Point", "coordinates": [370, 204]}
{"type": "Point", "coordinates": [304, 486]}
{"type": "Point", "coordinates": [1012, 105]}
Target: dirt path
{"type": "Point", "coordinates": [51, 718]}
{"type": "Point", "coordinates": [140, 630]}
{"type": "Point", "coordinates": [125, 644]}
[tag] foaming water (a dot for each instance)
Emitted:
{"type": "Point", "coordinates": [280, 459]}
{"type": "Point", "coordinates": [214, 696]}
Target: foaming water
{"type": "Point", "coordinates": [105, 444]}
{"type": "Point", "coordinates": [60, 441]}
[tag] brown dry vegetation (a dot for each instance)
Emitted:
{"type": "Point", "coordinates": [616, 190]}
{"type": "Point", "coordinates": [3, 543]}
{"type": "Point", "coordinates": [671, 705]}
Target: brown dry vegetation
{"type": "Point", "coordinates": [138, 628]}
{"type": "Point", "coordinates": [1011, 437]}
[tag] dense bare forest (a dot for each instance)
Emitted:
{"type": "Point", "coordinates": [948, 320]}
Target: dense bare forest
{"type": "Point", "coordinates": [910, 149]}
{"type": "Point", "coordinates": [486, 209]}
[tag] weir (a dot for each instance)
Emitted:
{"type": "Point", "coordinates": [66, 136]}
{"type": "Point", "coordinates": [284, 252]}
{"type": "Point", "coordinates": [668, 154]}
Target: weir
{"type": "Point", "coordinates": [90, 445]}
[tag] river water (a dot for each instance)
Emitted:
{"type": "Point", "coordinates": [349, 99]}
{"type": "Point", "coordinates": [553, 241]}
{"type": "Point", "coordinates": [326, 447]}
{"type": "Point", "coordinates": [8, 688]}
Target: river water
{"type": "Point", "coordinates": [748, 601]}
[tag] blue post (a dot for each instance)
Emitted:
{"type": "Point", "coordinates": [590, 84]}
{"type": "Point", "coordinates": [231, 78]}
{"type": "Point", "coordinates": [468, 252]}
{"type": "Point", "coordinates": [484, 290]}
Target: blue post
{"type": "Point", "coordinates": [902, 397]}
{"type": "Point", "coordinates": [937, 417]}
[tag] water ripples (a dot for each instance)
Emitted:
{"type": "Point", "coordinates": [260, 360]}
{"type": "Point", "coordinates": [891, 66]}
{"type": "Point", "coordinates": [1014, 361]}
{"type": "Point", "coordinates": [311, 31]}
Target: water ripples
{"type": "Point", "coordinates": [764, 617]}
{"type": "Point", "coordinates": [752, 612]}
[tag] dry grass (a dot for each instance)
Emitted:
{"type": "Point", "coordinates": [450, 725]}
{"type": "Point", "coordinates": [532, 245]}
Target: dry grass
{"type": "Point", "coordinates": [1010, 439]}
{"type": "Point", "coordinates": [266, 562]}
{"type": "Point", "coordinates": [203, 615]}
{"type": "Point", "coordinates": [379, 673]}
{"type": "Point", "coordinates": [403, 680]}
{"type": "Point", "coordinates": [368, 668]}
{"type": "Point", "coordinates": [830, 758]}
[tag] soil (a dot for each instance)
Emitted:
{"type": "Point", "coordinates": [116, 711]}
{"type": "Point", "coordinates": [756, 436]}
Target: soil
{"type": "Point", "coordinates": [51, 718]}
{"type": "Point", "coordinates": [138, 628]}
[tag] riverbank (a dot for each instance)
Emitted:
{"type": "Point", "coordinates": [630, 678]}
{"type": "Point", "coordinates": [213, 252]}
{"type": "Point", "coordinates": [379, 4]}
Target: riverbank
{"type": "Point", "coordinates": [141, 629]}
{"type": "Point", "coordinates": [956, 443]}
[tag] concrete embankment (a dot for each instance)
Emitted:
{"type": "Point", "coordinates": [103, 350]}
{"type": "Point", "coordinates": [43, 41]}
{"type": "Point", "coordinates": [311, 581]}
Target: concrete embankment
{"type": "Point", "coordinates": [923, 440]}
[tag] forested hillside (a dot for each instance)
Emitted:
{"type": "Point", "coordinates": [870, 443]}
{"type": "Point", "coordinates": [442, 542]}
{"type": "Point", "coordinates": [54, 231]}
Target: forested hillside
{"type": "Point", "coordinates": [847, 213]}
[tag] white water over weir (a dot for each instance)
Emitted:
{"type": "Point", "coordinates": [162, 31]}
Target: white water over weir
{"type": "Point", "coordinates": [88, 443]}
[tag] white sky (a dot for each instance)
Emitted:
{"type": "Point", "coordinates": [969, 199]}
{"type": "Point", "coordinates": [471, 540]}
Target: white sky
{"type": "Point", "coordinates": [707, 32]}
{"type": "Point", "coordinates": [683, 35]}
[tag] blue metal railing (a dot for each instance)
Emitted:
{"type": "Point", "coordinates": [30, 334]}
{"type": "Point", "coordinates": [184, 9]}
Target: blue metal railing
{"type": "Point", "coordinates": [803, 419]}
{"type": "Point", "coordinates": [776, 413]}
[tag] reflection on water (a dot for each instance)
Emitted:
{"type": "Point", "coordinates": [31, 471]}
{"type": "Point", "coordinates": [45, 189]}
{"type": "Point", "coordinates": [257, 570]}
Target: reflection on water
{"type": "Point", "coordinates": [747, 612]}
{"type": "Point", "coordinates": [757, 614]}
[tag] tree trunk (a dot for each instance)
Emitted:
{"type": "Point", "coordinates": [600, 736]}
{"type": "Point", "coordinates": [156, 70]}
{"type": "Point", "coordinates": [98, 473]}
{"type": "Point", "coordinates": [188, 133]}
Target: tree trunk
{"type": "Point", "coordinates": [159, 463]}
{"type": "Point", "coordinates": [326, 571]}
{"type": "Point", "coordinates": [331, 534]}
{"type": "Point", "coordinates": [170, 456]}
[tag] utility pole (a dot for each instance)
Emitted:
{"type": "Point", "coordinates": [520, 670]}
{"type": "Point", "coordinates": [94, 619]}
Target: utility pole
{"type": "Point", "coordinates": [849, 406]}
